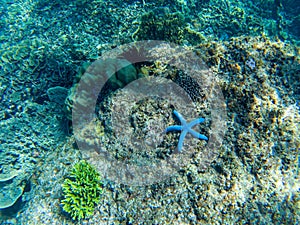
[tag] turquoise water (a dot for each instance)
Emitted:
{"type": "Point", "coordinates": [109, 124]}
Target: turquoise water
{"type": "Point", "coordinates": [81, 80]}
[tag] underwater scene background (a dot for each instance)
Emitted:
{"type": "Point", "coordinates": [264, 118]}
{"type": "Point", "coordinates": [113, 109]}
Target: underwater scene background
{"type": "Point", "coordinates": [250, 177]}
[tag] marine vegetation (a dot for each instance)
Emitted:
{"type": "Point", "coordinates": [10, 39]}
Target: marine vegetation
{"type": "Point", "coordinates": [82, 191]}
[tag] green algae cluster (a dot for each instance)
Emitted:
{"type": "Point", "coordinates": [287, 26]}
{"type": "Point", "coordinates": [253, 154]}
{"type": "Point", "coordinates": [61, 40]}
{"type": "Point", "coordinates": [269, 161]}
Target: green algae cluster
{"type": "Point", "coordinates": [82, 191]}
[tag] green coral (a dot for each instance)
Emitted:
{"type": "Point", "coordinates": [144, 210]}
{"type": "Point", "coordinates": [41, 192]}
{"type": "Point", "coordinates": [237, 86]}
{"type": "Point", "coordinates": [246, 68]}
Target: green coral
{"type": "Point", "coordinates": [82, 191]}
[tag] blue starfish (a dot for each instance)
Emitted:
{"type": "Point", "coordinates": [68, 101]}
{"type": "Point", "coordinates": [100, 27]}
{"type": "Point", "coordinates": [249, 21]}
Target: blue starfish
{"type": "Point", "coordinates": [186, 128]}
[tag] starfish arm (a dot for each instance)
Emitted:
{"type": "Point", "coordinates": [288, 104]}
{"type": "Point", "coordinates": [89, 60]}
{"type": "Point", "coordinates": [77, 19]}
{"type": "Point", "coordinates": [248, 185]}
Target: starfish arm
{"type": "Point", "coordinates": [173, 128]}
{"type": "Point", "coordinates": [181, 139]}
{"type": "Point", "coordinates": [195, 122]}
{"type": "Point", "coordinates": [198, 135]}
{"type": "Point", "coordinates": [180, 117]}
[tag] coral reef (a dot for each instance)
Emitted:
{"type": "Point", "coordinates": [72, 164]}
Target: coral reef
{"type": "Point", "coordinates": [256, 166]}
{"type": "Point", "coordinates": [26, 138]}
{"type": "Point", "coordinates": [161, 24]}
{"type": "Point", "coordinates": [249, 45]}
{"type": "Point", "coordinates": [57, 94]}
{"type": "Point", "coordinates": [264, 117]}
